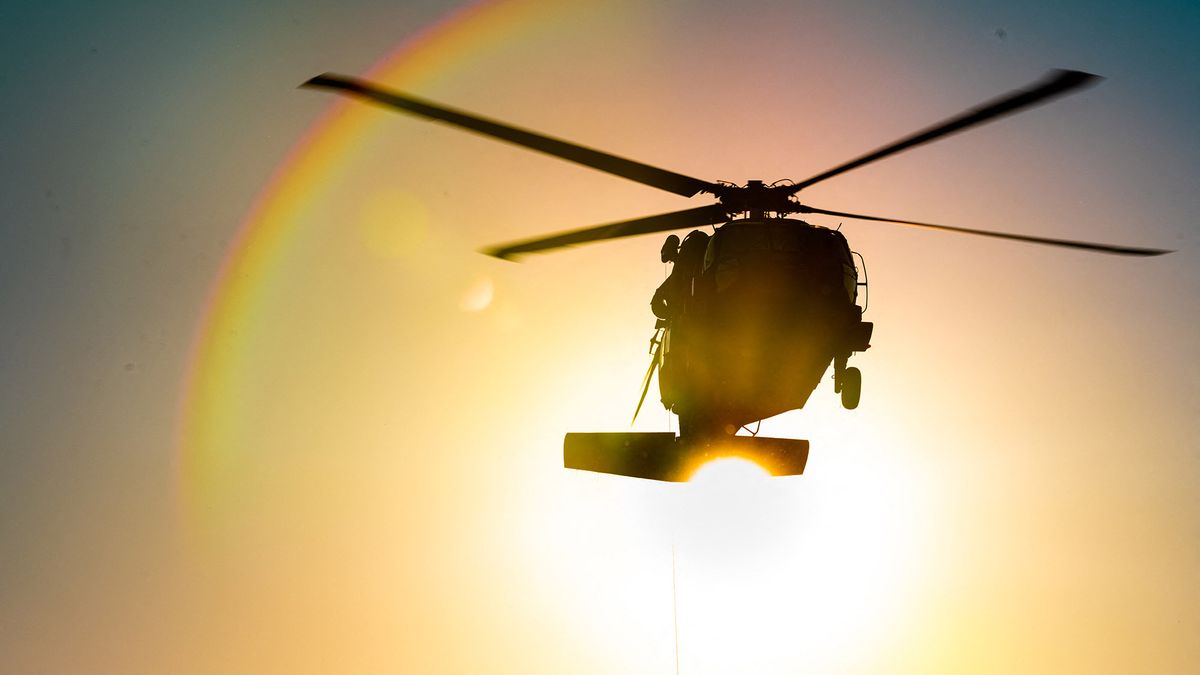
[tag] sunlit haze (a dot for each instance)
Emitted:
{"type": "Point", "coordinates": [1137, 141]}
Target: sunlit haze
{"type": "Point", "coordinates": [265, 409]}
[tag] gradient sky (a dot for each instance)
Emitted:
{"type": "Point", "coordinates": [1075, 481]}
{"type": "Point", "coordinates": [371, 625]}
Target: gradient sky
{"type": "Point", "coordinates": [373, 481]}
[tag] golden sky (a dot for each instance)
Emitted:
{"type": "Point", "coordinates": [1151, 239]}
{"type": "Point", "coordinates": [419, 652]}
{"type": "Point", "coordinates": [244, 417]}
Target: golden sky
{"type": "Point", "coordinates": [378, 487]}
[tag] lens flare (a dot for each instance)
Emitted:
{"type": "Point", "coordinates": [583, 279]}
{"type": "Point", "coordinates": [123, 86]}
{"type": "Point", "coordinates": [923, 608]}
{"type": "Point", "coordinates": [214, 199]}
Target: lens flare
{"type": "Point", "coordinates": [479, 296]}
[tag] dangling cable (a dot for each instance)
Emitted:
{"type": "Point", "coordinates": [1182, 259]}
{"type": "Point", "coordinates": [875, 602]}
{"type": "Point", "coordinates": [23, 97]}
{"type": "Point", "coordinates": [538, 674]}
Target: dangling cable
{"type": "Point", "coordinates": [675, 608]}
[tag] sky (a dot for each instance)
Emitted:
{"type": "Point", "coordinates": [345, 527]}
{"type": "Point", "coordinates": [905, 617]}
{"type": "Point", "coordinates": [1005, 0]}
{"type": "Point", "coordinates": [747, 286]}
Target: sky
{"type": "Point", "coordinates": [263, 408]}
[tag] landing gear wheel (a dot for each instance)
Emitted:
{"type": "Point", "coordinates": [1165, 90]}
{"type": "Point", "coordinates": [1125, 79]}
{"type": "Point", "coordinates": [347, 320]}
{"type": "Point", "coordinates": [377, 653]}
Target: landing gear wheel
{"type": "Point", "coordinates": [851, 388]}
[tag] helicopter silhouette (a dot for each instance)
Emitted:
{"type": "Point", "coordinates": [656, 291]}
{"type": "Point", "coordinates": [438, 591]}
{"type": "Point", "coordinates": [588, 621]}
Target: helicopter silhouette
{"type": "Point", "coordinates": [751, 316]}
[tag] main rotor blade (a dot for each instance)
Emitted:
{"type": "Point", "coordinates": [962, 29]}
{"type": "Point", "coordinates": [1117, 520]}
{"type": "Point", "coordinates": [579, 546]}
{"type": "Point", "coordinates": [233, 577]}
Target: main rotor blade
{"type": "Point", "coordinates": [1056, 83]}
{"type": "Point", "coordinates": [1087, 246]}
{"type": "Point", "coordinates": [626, 168]}
{"type": "Point", "coordinates": [698, 217]}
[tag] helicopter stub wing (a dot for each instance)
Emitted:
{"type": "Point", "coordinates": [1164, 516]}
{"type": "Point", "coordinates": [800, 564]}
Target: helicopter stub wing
{"type": "Point", "coordinates": [665, 457]}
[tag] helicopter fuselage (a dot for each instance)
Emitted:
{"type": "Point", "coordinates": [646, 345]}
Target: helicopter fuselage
{"type": "Point", "coordinates": [751, 317]}
{"type": "Point", "coordinates": [770, 306]}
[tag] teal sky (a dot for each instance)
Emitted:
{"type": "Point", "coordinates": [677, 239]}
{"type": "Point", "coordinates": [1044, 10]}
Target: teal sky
{"type": "Point", "coordinates": [135, 136]}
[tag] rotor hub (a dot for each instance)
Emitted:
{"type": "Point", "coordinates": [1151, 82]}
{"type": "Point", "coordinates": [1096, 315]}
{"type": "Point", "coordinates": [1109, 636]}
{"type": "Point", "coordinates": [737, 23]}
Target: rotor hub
{"type": "Point", "coordinates": [757, 198]}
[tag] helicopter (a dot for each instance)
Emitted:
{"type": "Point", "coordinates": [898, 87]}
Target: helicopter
{"type": "Point", "coordinates": [752, 316]}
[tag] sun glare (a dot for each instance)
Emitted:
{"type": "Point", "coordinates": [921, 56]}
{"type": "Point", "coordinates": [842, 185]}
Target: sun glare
{"type": "Point", "coordinates": [771, 567]}
{"type": "Point", "coordinates": [728, 473]}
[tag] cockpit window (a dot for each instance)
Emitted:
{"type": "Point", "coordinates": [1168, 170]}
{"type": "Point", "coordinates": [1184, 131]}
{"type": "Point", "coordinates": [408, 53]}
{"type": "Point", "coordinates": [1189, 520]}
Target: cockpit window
{"type": "Point", "coordinates": [786, 239]}
{"type": "Point", "coordinates": [792, 244]}
{"type": "Point", "coordinates": [746, 240]}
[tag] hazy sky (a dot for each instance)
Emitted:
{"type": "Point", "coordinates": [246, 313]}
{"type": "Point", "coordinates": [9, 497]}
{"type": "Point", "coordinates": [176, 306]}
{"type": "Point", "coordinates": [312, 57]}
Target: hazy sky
{"type": "Point", "coordinates": [359, 467]}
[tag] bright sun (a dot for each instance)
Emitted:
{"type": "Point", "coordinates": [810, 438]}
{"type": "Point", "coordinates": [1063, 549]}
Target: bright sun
{"type": "Point", "coordinates": [768, 567]}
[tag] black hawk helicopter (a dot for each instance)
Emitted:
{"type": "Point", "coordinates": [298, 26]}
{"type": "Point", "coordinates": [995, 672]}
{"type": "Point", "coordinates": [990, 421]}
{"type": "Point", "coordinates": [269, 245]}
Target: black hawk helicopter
{"type": "Point", "coordinates": [751, 317]}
